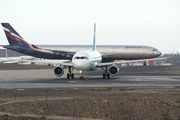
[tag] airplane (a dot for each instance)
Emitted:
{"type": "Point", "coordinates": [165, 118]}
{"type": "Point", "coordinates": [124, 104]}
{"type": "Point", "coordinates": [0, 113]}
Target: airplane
{"type": "Point", "coordinates": [88, 61]}
{"type": "Point", "coordinates": [66, 52]}
{"type": "Point", "coordinates": [150, 62]}
{"type": "Point", "coordinates": [8, 59]}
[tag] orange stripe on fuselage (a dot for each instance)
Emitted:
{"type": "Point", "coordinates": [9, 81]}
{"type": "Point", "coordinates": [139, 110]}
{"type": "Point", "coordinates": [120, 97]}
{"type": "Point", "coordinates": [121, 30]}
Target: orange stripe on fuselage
{"type": "Point", "coordinates": [14, 38]}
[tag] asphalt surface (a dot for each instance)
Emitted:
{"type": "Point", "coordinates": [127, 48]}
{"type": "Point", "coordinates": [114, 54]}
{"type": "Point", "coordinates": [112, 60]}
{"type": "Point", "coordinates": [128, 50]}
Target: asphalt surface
{"type": "Point", "coordinates": [140, 76]}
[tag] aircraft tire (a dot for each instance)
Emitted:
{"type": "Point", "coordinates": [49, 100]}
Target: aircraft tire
{"type": "Point", "coordinates": [104, 76]}
{"type": "Point", "coordinates": [108, 75]}
{"type": "Point", "coordinates": [68, 75]}
{"type": "Point", "coordinates": [72, 75]}
{"type": "Point", "coordinates": [144, 64]}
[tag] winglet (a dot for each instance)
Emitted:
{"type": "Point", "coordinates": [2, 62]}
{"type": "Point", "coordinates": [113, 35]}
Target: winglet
{"type": "Point", "coordinates": [94, 41]}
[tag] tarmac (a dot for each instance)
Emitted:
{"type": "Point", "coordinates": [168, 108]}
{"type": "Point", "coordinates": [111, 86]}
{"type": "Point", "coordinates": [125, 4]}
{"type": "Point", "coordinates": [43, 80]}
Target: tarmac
{"type": "Point", "coordinates": [133, 76]}
{"type": "Point", "coordinates": [136, 92]}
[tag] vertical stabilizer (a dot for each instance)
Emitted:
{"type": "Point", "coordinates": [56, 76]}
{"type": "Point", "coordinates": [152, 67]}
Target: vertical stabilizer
{"type": "Point", "coordinates": [94, 41]}
{"type": "Point", "coordinates": [13, 37]}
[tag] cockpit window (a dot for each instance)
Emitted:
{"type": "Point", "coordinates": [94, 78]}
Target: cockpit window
{"type": "Point", "coordinates": [155, 50]}
{"type": "Point", "coordinates": [83, 57]}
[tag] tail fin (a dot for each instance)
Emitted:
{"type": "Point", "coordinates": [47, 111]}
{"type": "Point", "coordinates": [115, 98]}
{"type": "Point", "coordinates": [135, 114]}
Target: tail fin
{"type": "Point", "coordinates": [13, 37]}
{"type": "Point", "coordinates": [94, 41]}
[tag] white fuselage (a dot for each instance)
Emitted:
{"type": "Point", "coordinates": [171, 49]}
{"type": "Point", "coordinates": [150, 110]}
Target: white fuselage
{"type": "Point", "coordinates": [86, 60]}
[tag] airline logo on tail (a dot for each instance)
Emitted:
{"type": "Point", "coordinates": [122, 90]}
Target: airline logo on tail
{"type": "Point", "coordinates": [13, 37]}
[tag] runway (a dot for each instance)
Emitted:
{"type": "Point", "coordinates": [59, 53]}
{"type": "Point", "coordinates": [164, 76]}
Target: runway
{"type": "Point", "coordinates": [149, 76]}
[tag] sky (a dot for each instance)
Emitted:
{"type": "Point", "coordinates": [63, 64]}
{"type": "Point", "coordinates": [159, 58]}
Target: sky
{"type": "Point", "coordinates": [153, 23]}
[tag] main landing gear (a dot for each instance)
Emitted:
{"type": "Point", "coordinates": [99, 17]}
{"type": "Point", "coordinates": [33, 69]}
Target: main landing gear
{"type": "Point", "coordinates": [70, 74]}
{"type": "Point", "coordinates": [145, 63]}
{"type": "Point", "coordinates": [106, 73]}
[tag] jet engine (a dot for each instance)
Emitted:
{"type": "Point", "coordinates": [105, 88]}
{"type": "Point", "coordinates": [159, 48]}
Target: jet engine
{"type": "Point", "coordinates": [113, 69]}
{"type": "Point", "coordinates": [58, 71]}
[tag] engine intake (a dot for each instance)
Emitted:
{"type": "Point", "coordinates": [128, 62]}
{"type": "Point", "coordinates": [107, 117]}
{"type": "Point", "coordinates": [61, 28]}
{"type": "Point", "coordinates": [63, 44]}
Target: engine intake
{"type": "Point", "coordinates": [113, 69]}
{"type": "Point", "coordinates": [58, 71]}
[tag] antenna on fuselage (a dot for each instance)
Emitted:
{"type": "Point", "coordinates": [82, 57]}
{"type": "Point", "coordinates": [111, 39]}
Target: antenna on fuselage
{"type": "Point", "coordinates": [94, 41]}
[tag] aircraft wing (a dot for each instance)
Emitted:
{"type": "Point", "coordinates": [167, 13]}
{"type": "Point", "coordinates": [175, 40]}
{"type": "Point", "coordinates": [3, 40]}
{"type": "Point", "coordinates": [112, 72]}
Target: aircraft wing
{"type": "Point", "coordinates": [129, 61]}
{"type": "Point", "coordinates": [8, 62]}
{"type": "Point", "coordinates": [42, 61]}
{"type": "Point", "coordinates": [62, 52]}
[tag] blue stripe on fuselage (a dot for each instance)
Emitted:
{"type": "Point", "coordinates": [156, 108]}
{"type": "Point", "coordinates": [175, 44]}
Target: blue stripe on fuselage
{"type": "Point", "coordinates": [25, 49]}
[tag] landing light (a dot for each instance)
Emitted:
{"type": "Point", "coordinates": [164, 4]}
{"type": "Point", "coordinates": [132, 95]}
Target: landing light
{"type": "Point", "coordinates": [80, 71]}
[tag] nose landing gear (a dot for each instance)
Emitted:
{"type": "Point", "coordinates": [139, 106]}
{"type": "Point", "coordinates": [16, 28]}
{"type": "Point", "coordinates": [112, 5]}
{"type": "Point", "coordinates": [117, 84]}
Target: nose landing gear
{"type": "Point", "coordinates": [81, 77]}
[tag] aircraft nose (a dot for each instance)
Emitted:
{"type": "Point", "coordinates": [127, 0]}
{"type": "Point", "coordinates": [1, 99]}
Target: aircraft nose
{"type": "Point", "coordinates": [81, 66]}
{"type": "Point", "coordinates": [159, 53]}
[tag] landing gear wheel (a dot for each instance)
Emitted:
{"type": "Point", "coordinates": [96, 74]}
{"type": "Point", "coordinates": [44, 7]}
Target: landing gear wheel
{"type": "Point", "coordinates": [108, 75]}
{"type": "Point", "coordinates": [68, 75]}
{"type": "Point", "coordinates": [72, 76]}
{"type": "Point", "coordinates": [81, 77]}
{"type": "Point", "coordinates": [104, 76]}
{"type": "Point", "coordinates": [145, 63]}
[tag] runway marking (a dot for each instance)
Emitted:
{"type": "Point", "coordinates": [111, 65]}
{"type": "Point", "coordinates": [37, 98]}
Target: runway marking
{"type": "Point", "coordinates": [137, 72]}
{"type": "Point", "coordinates": [71, 81]}
{"type": "Point", "coordinates": [3, 71]}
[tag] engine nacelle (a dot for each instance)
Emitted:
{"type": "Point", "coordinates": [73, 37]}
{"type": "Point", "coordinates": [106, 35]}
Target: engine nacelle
{"type": "Point", "coordinates": [58, 71]}
{"type": "Point", "coordinates": [113, 69]}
